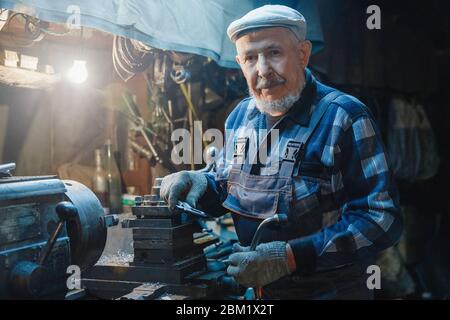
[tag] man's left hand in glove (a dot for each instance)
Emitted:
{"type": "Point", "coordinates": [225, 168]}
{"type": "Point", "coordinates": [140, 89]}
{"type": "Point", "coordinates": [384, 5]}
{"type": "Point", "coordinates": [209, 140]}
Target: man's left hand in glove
{"type": "Point", "coordinates": [268, 263]}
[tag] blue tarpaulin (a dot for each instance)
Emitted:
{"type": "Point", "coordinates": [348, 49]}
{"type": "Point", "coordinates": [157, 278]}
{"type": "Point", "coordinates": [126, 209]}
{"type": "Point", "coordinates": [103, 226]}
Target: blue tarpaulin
{"type": "Point", "coordinates": [191, 26]}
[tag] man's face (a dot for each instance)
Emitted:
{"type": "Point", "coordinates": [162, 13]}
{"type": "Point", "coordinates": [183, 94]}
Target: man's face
{"type": "Point", "coordinates": [273, 61]}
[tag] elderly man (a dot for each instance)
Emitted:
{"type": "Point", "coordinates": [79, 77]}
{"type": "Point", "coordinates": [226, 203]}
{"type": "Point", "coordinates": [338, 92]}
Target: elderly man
{"type": "Point", "coordinates": [327, 171]}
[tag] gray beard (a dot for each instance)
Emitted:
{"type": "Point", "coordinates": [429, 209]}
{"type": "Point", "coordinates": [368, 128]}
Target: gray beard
{"type": "Point", "coordinates": [277, 106]}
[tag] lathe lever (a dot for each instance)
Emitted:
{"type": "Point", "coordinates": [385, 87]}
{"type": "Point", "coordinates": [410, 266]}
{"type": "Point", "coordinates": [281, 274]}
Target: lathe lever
{"type": "Point", "coordinates": [66, 211]}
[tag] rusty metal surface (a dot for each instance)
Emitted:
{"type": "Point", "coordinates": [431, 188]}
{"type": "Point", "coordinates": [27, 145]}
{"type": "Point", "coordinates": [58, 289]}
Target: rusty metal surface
{"type": "Point", "coordinates": [107, 289]}
{"type": "Point", "coordinates": [153, 211]}
{"type": "Point", "coordinates": [19, 178]}
{"type": "Point", "coordinates": [152, 223]}
{"type": "Point", "coordinates": [19, 222]}
{"type": "Point", "coordinates": [87, 232]}
{"type": "Point", "coordinates": [184, 231]}
{"type": "Point", "coordinates": [163, 256]}
{"type": "Point", "coordinates": [16, 188]}
{"type": "Point", "coordinates": [162, 273]}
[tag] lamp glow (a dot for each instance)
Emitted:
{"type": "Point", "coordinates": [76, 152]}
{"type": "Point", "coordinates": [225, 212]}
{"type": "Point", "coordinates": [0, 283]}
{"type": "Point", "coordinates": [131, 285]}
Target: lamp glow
{"type": "Point", "coordinates": [78, 72]}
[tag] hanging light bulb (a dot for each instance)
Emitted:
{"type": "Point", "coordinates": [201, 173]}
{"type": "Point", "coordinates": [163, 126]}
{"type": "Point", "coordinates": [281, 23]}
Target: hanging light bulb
{"type": "Point", "coordinates": [78, 72]}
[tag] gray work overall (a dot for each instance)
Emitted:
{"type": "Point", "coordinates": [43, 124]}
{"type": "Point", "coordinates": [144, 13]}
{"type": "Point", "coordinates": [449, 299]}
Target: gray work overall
{"type": "Point", "coordinates": [256, 196]}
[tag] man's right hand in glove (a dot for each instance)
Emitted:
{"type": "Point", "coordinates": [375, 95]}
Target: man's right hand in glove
{"type": "Point", "coordinates": [187, 186]}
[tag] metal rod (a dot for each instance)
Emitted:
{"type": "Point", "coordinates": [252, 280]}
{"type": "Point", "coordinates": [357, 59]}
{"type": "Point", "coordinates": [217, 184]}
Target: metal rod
{"type": "Point", "coordinates": [50, 243]}
{"type": "Point", "coordinates": [138, 148]}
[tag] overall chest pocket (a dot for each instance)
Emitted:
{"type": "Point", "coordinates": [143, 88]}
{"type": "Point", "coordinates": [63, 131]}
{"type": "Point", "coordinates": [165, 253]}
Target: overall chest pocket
{"type": "Point", "coordinates": [254, 202]}
{"type": "Point", "coordinates": [259, 196]}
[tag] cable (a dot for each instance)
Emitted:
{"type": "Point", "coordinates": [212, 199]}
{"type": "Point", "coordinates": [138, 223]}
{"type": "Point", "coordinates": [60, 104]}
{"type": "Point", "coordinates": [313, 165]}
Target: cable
{"type": "Point", "coordinates": [130, 57]}
{"type": "Point", "coordinates": [12, 18]}
{"type": "Point", "coordinates": [188, 100]}
{"type": "Point", "coordinates": [11, 36]}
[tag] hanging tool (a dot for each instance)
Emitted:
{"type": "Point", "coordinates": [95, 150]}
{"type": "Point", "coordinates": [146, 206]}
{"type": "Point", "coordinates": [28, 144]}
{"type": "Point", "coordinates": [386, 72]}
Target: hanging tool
{"type": "Point", "coordinates": [141, 127]}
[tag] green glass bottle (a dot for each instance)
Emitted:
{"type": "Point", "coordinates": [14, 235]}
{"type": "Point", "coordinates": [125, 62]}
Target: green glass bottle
{"type": "Point", "coordinates": [114, 181]}
{"type": "Point", "coordinates": [100, 181]}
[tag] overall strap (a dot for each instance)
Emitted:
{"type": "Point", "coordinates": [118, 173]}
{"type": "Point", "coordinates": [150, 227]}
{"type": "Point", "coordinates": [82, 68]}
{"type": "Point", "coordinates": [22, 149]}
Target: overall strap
{"type": "Point", "coordinates": [242, 143]}
{"type": "Point", "coordinates": [295, 148]}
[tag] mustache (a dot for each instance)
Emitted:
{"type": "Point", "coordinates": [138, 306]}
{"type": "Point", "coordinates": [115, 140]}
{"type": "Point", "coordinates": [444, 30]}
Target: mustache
{"type": "Point", "coordinates": [262, 83]}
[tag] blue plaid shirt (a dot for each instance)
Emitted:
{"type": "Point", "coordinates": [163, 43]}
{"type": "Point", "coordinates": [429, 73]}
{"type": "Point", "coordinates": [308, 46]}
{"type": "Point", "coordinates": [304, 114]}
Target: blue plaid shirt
{"type": "Point", "coordinates": [347, 166]}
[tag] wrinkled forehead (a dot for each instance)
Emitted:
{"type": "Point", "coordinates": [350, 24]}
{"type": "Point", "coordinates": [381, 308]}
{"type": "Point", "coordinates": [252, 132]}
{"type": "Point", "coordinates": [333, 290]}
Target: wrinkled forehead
{"type": "Point", "coordinates": [263, 39]}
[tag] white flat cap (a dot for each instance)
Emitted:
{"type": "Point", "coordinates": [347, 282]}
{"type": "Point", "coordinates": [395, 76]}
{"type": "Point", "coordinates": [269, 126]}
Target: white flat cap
{"type": "Point", "coordinates": [269, 16]}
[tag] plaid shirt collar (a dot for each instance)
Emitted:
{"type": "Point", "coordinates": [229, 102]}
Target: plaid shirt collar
{"type": "Point", "coordinates": [300, 112]}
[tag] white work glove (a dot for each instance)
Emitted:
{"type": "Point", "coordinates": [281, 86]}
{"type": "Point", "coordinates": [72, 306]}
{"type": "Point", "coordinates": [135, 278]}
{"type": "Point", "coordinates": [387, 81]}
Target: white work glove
{"type": "Point", "coordinates": [258, 268]}
{"type": "Point", "coordinates": [187, 186]}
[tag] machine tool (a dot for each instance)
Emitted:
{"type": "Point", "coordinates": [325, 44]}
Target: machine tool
{"type": "Point", "coordinates": [46, 225]}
